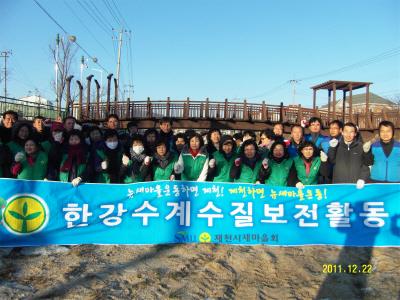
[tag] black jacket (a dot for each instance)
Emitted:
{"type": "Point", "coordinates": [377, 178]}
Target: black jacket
{"type": "Point", "coordinates": [350, 162]}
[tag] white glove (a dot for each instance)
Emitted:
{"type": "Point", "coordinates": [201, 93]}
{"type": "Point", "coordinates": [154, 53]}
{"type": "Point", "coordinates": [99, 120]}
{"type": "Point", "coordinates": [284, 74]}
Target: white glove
{"type": "Point", "coordinates": [323, 156]}
{"type": "Point", "coordinates": [367, 146]}
{"type": "Point", "coordinates": [300, 185]}
{"type": "Point", "coordinates": [104, 164]}
{"type": "Point", "coordinates": [360, 184]}
{"type": "Point", "coordinates": [178, 169]}
{"type": "Point", "coordinates": [172, 177]}
{"type": "Point", "coordinates": [125, 160]}
{"type": "Point", "coordinates": [265, 163]}
{"type": "Point", "coordinates": [333, 143]}
{"type": "Point", "coordinates": [211, 163]}
{"type": "Point", "coordinates": [258, 182]}
{"type": "Point", "coordinates": [19, 156]}
{"type": "Point", "coordinates": [147, 160]}
{"type": "Point", "coordinates": [76, 181]}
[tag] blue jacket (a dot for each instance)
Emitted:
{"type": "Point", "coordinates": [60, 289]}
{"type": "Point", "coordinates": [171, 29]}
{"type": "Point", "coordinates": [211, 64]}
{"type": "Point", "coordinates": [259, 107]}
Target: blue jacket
{"type": "Point", "coordinates": [386, 168]}
{"type": "Point", "coordinates": [321, 138]}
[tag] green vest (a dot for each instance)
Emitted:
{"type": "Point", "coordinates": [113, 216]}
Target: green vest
{"type": "Point", "coordinates": [64, 175]}
{"type": "Point", "coordinates": [103, 176]}
{"type": "Point", "coordinates": [247, 174]}
{"type": "Point", "coordinates": [279, 172]}
{"type": "Point", "coordinates": [15, 148]}
{"type": "Point", "coordinates": [46, 145]}
{"type": "Point", "coordinates": [38, 171]}
{"type": "Point", "coordinates": [164, 174]}
{"type": "Point", "coordinates": [223, 167]}
{"type": "Point", "coordinates": [192, 166]}
{"type": "Point", "coordinates": [312, 177]}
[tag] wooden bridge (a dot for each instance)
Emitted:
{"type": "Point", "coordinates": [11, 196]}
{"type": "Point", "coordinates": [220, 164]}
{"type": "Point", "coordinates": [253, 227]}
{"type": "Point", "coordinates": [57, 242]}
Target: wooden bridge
{"type": "Point", "coordinates": [196, 114]}
{"type": "Point", "coordinates": [222, 114]}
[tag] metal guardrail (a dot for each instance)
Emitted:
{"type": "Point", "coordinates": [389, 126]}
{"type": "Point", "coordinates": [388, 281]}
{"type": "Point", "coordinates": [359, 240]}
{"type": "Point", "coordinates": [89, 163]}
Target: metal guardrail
{"type": "Point", "coordinates": [28, 110]}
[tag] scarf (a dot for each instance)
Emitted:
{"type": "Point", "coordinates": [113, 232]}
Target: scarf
{"type": "Point", "coordinates": [194, 152]}
{"type": "Point", "coordinates": [137, 160]}
{"type": "Point", "coordinates": [162, 161]}
{"type": "Point", "coordinates": [251, 162]}
{"type": "Point", "coordinates": [75, 155]}
{"type": "Point", "coordinates": [307, 163]}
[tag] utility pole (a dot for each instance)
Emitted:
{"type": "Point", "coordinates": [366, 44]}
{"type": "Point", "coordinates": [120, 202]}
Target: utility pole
{"type": "Point", "coordinates": [58, 100]}
{"type": "Point", "coordinates": [293, 82]}
{"type": "Point", "coordinates": [5, 54]}
{"type": "Point", "coordinates": [130, 88]}
{"type": "Point", "coordinates": [121, 32]}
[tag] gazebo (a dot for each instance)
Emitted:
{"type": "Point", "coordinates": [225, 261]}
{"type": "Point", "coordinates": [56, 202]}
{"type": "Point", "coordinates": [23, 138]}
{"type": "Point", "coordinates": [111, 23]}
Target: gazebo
{"type": "Point", "coordinates": [346, 86]}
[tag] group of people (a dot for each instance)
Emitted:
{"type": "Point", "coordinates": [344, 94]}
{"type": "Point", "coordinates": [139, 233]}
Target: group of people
{"type": "Point", "coordinates": [69, 152]}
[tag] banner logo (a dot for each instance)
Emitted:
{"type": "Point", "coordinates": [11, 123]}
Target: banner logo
{"type": "Point", "coordinates": [25, 214]}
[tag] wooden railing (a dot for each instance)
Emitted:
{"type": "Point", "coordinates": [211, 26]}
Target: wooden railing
{"type": "Point", "coordinates": [226, 110]}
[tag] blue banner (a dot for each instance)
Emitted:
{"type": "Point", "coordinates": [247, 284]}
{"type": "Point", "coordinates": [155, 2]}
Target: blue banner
{"type": "Point", "coordinates": [43, 212]}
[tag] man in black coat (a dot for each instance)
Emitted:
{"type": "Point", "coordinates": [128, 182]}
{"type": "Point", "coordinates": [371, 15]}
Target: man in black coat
{"type": "Point", "coordinates": [349, 158]}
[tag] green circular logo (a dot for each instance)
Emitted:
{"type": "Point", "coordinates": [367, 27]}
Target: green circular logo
{"type": "Point", "coordinates": [25, 214]}
{"type": "Point", "coordinates": [205, 237]}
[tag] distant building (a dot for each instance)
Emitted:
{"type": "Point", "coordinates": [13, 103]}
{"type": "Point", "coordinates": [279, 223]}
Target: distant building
{"type": "Point", "coordinates": [38, 100]}
{"type": "Point", "coordinates": [376, 104]}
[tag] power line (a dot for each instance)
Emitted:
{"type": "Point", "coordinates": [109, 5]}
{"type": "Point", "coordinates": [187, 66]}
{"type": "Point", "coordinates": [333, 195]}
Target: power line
{"type": "Point", "coordinates": [88, 30]}
{"type": "Point", "coordinates": [382, 56]}
{"type": "Point", "coordinates": [101, 25]}
{"type": "Point", "coordinates": [119, 13]}
{"type": "Point", "coordinates": [100, 14]}
{"type": "Point", "coordinates": [110, 10]}
{"type": "Point", "coordinates": [62, 28]}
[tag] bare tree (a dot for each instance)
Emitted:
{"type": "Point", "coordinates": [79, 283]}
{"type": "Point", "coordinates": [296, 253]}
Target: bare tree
{"type": "Point", "coordinates": [63, 59]}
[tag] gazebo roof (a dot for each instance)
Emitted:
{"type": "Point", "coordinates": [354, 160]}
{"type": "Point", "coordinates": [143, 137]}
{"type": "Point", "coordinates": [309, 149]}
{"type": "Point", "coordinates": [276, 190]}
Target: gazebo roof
{"type": "Point", "coordinates": [340, 85]}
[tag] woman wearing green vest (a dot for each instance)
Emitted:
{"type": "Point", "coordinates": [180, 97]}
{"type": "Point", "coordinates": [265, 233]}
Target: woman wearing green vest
{"type": "Point", "coordinates": [107, 159]}
{"type": "Point", "coordinates": [247, 167]}
{"type": "Point", "coordinates": [219, 167]}
{"type": "Point", "coordinates": [21, 133]}
{"type": "Point", "coordinates": [133, 168]}
{"type": "Point", "coordinates": [309, 166]}
{"type": "Point", "coordinates": [74, 160]}
{"type": "Point", "coordinates": [30, 164]}
{"type": "Point", "coordinates": [277, 169]}
{"type": "Point", "coordinates": [193, 161]}
{"type": "Point", "coordinates": [162, 165]}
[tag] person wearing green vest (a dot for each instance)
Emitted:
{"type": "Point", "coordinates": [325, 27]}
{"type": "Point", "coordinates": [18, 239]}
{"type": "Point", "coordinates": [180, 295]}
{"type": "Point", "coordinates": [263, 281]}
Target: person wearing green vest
{"type": "Point", "coordinates": [74, 160]}
{"type": "Point", "coordinates": [247, 167]}
{"type": "Point", "coordinates": [219, 167]}
{"type": "Point", "coordinates": [278, 168]}
{"type": "Point", "coordinates": [162, 164]}
{"type": "Point", "coordinates": [21, 133]}
{"type": "Point", "coordinates": [107, 159]}
{"type": "Point", "coordinates": [133, 168]}
{"type": "Point", "coordinates": [193, 161]}
{"type": "Point", "coordinates": [30, 164]}
{"type": "Point", "coordinates": [309, 165]}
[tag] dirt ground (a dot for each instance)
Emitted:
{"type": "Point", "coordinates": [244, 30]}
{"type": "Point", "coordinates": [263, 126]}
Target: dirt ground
{"type": "Point", "coordinates": [198, 271]}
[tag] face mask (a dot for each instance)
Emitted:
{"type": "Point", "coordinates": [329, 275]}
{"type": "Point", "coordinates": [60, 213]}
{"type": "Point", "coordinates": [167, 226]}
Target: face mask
{"type": "Point", "coordinates": [138, 149]}
{"type": "Point", "coordinates": [58, 136]}
{"type": "Point", "coordinates": [112, 145]}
